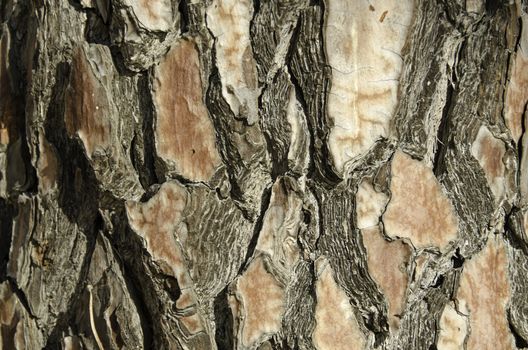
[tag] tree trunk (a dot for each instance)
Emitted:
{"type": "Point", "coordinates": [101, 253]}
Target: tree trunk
{"type": "Point", "coordinates": [279, 174]}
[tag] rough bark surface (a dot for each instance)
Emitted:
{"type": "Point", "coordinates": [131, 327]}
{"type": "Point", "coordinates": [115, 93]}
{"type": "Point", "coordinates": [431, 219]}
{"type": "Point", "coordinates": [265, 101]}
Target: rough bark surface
{"type": "Point", "coordinates": [279, 174]}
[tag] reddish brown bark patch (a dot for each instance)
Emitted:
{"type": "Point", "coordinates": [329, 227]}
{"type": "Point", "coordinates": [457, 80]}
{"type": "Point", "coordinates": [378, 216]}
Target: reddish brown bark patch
{"type": "Point", "coordinates": [184, 133]}
{"type": "Point", "coordinates": [517, 95]}
{"type": "Point", "coordinates": [11, 106]}
{"type": "Point", "coordinates": [387, 264]}
{"type": "Point", "coordinates": [418, 209]}
{"type": "Point", "coordinates": [87, 105]}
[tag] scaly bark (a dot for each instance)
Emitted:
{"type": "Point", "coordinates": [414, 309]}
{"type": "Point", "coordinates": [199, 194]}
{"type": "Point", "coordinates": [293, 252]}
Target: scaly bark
{"type": "Point", "coordinates": [281, 174]}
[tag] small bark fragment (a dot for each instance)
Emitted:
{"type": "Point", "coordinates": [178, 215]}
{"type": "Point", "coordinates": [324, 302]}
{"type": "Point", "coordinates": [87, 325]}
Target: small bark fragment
{"type": "Point", "coordinates": [370, 205]}
{"type": "Point", "coordinates": [489, 151]}
{"type": "Point", "coordinates": [155, 15]}
{"type": "Point", "coordinates": [418, 208]}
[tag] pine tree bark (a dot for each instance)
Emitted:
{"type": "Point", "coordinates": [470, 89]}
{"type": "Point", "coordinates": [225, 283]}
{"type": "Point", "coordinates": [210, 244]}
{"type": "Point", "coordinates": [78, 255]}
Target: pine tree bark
{"type": "Point", "coordinates": [282, 174]}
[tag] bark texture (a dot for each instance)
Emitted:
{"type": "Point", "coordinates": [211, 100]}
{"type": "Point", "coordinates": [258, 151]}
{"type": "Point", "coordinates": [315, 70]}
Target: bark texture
{"type": "Point", "coordinates": [279, 174]}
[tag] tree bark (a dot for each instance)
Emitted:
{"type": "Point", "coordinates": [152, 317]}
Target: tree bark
{"type": "Point", "coordinates": [282, 174]}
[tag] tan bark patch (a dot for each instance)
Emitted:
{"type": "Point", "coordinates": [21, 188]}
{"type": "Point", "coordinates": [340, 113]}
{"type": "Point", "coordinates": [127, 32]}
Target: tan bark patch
{"type": "Point", "coordinates": [336, 325]}
{"type": "Point", "coordinates": [184, 133]}
{"type": "Point", "coordinates": [363, 44]}
{"type": "Point", "coordinates": [489, 151]}
{"type": "Point", "coordinates": [387, 264]}
{"type": "Point", "coordinates": [484, 292]}
{"type": "Point", "coordinates": [153, 14]}
{"type": "Point", "coordinates": [156, 220]}
{"type": "Point", "coordinates": [87, 106]}
{"type": "Point", "coordinates": [418, 208]}
{"type": "Point", "coordinates": [453, 329]}
{"type": "Point", "coordinates": [259, 303]}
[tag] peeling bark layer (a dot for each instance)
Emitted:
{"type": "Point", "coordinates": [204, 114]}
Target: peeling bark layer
{"type": "Point", "coordinates": [225, 174]}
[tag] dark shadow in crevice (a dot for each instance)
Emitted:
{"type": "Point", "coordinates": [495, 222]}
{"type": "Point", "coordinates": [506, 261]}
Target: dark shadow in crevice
{"type": "Point", "coordinates": [79, 197]}
{"type": "Point", "coordinates": [7, 215]}
{"type": "Point", "coordinates": [520, 342]}
{"type": "Point", "coordinates": [224, 321]}
{"type": "Point", "coordinates": [145, 164]}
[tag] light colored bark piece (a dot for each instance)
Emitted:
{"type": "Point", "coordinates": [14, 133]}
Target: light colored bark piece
{"type": "Point", "coordinates": [47, 165]}
{"type": "Point", "coordinates": [71, 343]}
{"type": "Point", "coordinates": [336, 325]}
{"type": "Point", "coordinates": [155, 15]}
{"type": "Point", "coordinates": [278, 237]}
{"type": "Point", "coordinates": [298, 151]}
{"type": "Point", "coordinates": [184, 133]}
{"type": "Point", "coordinates": [87, 106]}
{"type": "Point", "coordinates": [489, 151]}
{"type": "Point", "coordinates": [363, 45]}
{"type": "Point", "coordinates": [158, 223]}
{"type": "Point", "coordinates": [370, 205]}
{"type": "Point", "coordinates": [258, 304]}
{"type": "Point", "coordinates": [484, 292]}
{"type": "Point", "coordinates": [387, 264]}
{"type": "Point", "coordinates": [476, 6]}
{"type": "Point", "coordinates": [229, 22]}
{"type": "Point", "coordinates": [418, 208]}
{"type": "Point", "coordinates": [517, 90]}
{"type": "Point", "coordinates": [453, 329]}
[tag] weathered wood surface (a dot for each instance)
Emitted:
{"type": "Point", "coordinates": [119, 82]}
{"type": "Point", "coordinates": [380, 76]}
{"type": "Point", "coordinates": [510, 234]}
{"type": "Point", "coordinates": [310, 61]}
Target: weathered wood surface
{"type": "Point", "coordinates": [279, 174]}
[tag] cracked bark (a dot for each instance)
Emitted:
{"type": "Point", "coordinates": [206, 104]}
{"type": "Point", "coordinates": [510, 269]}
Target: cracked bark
{"type": "Point", "coordinates": [237, 174]}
